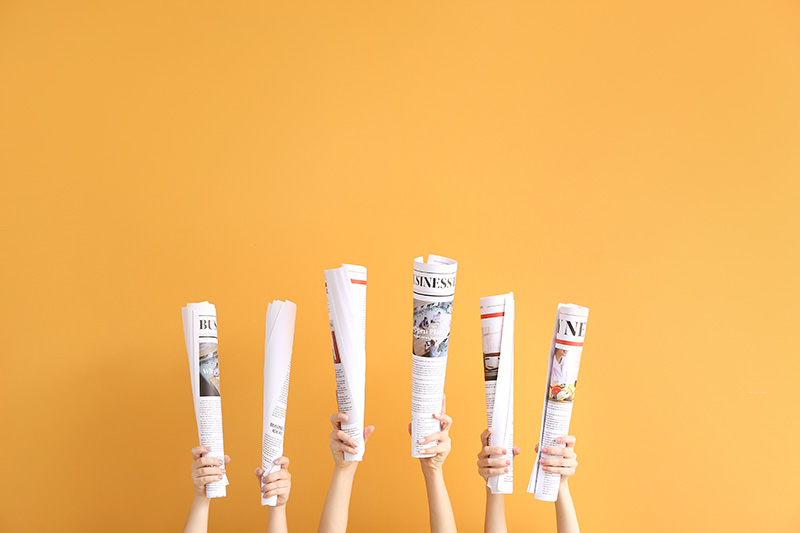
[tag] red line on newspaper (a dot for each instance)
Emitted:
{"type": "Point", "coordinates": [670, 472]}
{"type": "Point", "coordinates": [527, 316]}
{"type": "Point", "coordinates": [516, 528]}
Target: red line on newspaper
{"type": "Point", "coordinates": [359, 281]}
{"type": "Point", "coordinates": [493, 315]}
{"type": "Point", "coordinates": [569, 343]}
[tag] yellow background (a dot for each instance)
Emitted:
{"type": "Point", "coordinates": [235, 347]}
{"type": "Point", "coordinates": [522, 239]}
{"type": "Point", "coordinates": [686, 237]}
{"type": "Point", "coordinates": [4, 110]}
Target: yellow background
{"type": "Point", "coordinates": [639, 158]}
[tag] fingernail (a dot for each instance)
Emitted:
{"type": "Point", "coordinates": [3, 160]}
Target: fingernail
{"type": "Point", "coordinates": [220, 477]}
{"type": "Point", "coordinates": [505, 470]}
{"type": "Point", "coordinates": [420, 441]}
{"type": "Point", "coordinates": [505, 451]}
{"type": "Point", "coordinates": [544, 468]}
{"type": "Point", "coordinates": [275, 461]}
{"type": "Point", "coordinates": [508, 462]}
{"type": "Point", "coordinates": [541, 461]}
{"type": "Point", "coordinates": [558, 439]}
{"type": "Point", "coordinates": [544, 450]}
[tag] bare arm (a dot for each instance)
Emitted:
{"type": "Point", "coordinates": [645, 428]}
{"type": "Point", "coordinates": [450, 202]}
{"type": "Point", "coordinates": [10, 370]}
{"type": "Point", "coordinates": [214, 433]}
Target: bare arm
{"type": "Point", "coordinates": [495, 518]}
{"type": "Point", "coordinates": [276, 484]}
{"type": "Point", "coordinates": [439, 508]}
{"type": "Point", "coordinates": [337, 502]}
{"type": "Point", "coordinates": [204, 470]}
{"type": "Point", "coordinates": [565, 464]}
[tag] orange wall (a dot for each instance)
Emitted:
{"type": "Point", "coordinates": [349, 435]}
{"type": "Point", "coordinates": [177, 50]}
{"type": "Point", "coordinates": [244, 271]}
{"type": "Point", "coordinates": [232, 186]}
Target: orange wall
{"type": "Point", "coordinates": [639, 158]}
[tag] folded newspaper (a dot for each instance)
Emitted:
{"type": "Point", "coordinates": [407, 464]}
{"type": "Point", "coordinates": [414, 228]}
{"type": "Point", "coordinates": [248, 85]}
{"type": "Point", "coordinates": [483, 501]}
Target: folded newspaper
{"type": "Point", "coordinates": [562, 377]}
{"type": "Point", "coordinates": [434, 290]}
{"type": "Point", "coordinates": [200, 334]}
{"type": "Point", "coordinates": [347, 311]}
{"type": "Point", "coordinates": [278, 340]}
{"type": "Point", "coordinates": [497, 328]}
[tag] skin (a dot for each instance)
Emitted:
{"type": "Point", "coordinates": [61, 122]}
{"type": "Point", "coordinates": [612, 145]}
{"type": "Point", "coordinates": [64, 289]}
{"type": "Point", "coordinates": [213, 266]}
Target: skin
{"type": "Point", "coordinates": [337, 502]}
{"type": "Point", "coordinates": [276, 484]}
{"type": "Point", "coordinates": [209, 469]}
{"type": "Point", "coordinates": [205, 470]}
{"type": "Point", "coordinates": [440, 510]}
{"type": "Point", "coordinates": [564, 464]}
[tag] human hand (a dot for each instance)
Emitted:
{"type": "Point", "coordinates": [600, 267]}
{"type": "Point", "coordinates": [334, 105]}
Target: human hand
{"type": "Point", "coordinates": [341, 442]}
{"type": "Point", "coordinates": [205, 470]}
{"type": "Point", "coordinates": [488, 466]}
{"type": "Point", "coordinates": [277, 483]}
{"type": "Point", "coordinates": [442, 449]}
{"type": "Point", "coordinates": [566, 461]}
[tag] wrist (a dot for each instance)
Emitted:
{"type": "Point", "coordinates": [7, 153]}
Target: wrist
{"type": "Point", "coordinates": [345, 470]}
{"type": "Point", "coordinates": [431, 472]}
{"type": "Point", "coordinates": [277, 509]}
{"type": "Point", "coordinates": [201, 499]}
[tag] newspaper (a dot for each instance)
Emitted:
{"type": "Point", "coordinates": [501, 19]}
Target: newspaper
{"type": "Point", "coordinates": [434, 290]}
{"type": "Point", "coordinates": [562, 377]}
{"type": "Point", "coordinates": [497, 328]}
{"type": "Point", "coordinates": [347, 311]}
{"type": "Point", "coordinates": [200, 334]}
{"type": "Point", "coordinates": [278, 341]}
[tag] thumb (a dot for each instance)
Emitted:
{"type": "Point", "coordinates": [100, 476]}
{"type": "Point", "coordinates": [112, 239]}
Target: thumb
{"type": "Point", "coordinates": [369, 430]}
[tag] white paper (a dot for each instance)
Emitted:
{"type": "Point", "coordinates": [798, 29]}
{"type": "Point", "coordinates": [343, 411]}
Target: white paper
{"type": "Point", "coordinates": [562, 376]}
{"type": "Point", "coordinates": [200, 334]}
{"type": "Point", "coordinates": [347, 311]}
{"type": "Point", "coordinates": [434, 290]}
{"type": "Point", "coordinates": [497, 328]}
{"type": "Point", "coordinates": [278, 341]}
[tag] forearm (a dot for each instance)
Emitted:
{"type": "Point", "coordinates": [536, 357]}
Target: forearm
{"type": "Point", "coordinates": [276, 521]}
{"type": "Point", "coordinates": [566, 518]}
{"type": "Point", "coordinates": [440, 509]}
{"type": "Point", "coordinates": [197, 521]}
{"type": "Point", "coordinates": [337, 502]}
{"type": "Point", "coordinates": [495, 519]}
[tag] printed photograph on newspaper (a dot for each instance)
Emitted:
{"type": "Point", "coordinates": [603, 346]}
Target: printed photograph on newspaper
{"type": "Point", "coordinates": [209, 369]}
{"type": "Point", "coordinates": [431, 329]}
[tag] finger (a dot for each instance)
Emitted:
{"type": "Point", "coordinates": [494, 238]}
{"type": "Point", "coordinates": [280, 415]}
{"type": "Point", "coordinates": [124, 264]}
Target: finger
{"type": "Point", "coordinates": [409, 428]}
{"type": "Point", "coordinates": [259, 472]}
{"type": "Point", "coordinates": [338, 446]}
{"type": "Point", "coordinates": [569, 453]}
{"type": "Point", "coordinates": [494, 463]}
{"type": "Point", "coordinates": [198, 452]}
{"type": "Point", "coordinates": [227, 459]}
{"type": "Point", "coordinates": [441, 448]}
{"type": "Point", "coordinates": [279, 484]}
{"type": "Point", "coordinates": [569, 440]}
{"type": "Point", "coordinates": [536, 448]}
{"type": "Point", "coordinates": [205, 480]}
{"type": "Point", "coordinates": [432, 437]}
{"type": "Point", "coordinates": [493, 450]}
{"type": "Point", "coordinates": [445, 421]}
{"type": "Point", "coordinates": [206, 461]}
{"type": "Point", "coordinates": [281, 491]}
{"type": "Point", "coordinates": [369, 430]}
{"type": "Point", "coordinates": [492, 471]}
{"type": "Point", "coordinates": [337, 419]}
{"type": "Point", "coordinates": [344, 437]}
{"type": "Point", "coordinates": [555, 461]}
{"type": "Point", "coordinates": [280, 474]}
{"type": "Point", "coordinates": [444, 403]}
{"type": "Point", "coordinates": [201, 472]}
{"type": "Point", "coordinates": [485, 436]}
{"type": "Point", "coordinates": [516, 451]}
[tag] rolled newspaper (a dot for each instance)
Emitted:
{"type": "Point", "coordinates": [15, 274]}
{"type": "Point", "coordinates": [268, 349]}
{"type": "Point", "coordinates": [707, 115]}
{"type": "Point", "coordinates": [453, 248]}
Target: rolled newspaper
{"type": "Point", "coordinates": [278, 341]}
{"type": "Point", "coordinates": [434, 290]}
{"type": "Point", "coordinates": [497, 327]}
{"type": "Point", "coordinates": [562, 377]}
{"type": "Point", "coordinates": [347, 310]}
{"type": "Point", "coordinates": [200, 334]}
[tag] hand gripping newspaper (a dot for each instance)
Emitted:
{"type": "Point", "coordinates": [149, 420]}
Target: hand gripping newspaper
{"type": "Point", "coordinates": [562, 377]}
{"type": "Point", "coordinates": [497, 327]}
{"type": "Point", "coordinates": [278, 340]}
{"type": "Point", "coordinates": [434, 290]}
{"type": "Point", "coordinates": [200, 334]}
{"type": "Point", "coordinates": [347, 310]}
